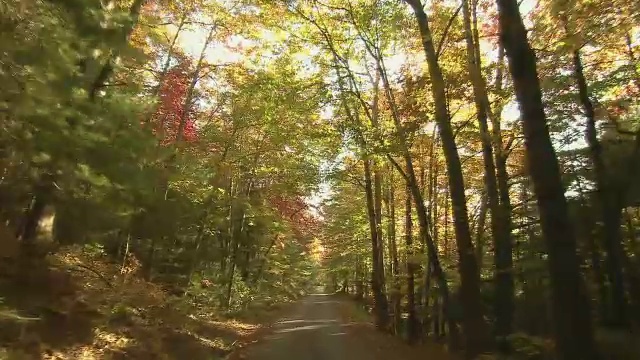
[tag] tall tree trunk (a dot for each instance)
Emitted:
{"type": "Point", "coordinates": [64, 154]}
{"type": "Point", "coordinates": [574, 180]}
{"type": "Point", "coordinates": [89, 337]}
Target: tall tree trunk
{"type": "Point", "coordinates": [503, 306]}
{"type": "Point", "coordinates": [570, 304]}
{"type": "Point", "coordinates": [412, 321]}
{"type": "Point", "coordinates": [445, 235]}
{"type": "Point", "coordinates": [421, 210]}
{"type": "Point", "coordinates": [594, 255]}
{"type": "Point", "coordinates": [436, 315]}
{"type": "Point", "coordinates": [610, 207]}
{"type": "Point", "coordinates": [377, 203]}
{"type": "Point", "coordinates": [534, 323]}
{"type": "Point", "coordinates": [482, 218]}
{"type": "Point", "coordinates": [393, 255]}
{"type": "Point", "coordinates": [410, 176]}
{"type": "Point", "coordinates": [505, 255]}
{"type": "Point", "coordinates": [230, 244]}
{"type": "Point", "coordinates": [237, 233]}
{"type": "Point", "coordinates": [476, 337]}
{"type": "Point", "coordinates": [377, 182]}
{"type": "Point", "coordinates": [633, 269]}
{"type": "Point", "coordinates": [432, 216]}
{"type": "Point", "coordinates": [433, 186]}
{"type": "Point", "coordinates": [358, 281]}
{"type": "Point", "coordinates": [231, 275]}
{"type": "Point", "coordinates": [381, 307]}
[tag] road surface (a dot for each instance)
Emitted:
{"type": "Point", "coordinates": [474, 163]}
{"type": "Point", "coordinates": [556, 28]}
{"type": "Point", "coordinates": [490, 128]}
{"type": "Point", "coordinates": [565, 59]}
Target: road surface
{"type": "Point", "coordinates": [318, 328]}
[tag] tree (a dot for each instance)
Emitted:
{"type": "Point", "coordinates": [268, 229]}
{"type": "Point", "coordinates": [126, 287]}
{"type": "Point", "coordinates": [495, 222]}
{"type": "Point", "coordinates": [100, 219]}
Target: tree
{"type": "Point", "coordinates": [241, 151]}
{"type": "Point", "coordinates": [473, 322]}
{"type": "Point", "coordinates": [500, 217]}
{"type": "Point", "coordinates": [573, 328]}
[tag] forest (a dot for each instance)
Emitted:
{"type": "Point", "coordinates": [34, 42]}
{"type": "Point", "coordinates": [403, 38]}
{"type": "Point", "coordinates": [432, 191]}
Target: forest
{"type": "Point", "coordinates": [465, 171]}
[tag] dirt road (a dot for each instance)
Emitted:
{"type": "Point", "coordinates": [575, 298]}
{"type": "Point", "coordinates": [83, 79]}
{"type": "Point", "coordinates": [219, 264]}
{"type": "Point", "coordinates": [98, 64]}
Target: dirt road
{"type": "Point", "coordinates": [321, 327]}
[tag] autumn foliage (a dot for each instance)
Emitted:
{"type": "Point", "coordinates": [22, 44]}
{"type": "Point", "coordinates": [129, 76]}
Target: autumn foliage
{"type": "Point", "coordinates": [296, 211]}
{"type": "Point", "coordinates": [172, 109]}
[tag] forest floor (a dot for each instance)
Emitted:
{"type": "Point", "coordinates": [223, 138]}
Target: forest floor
{"type": "Point", "coordinates": [78, 306]}
{"type": "Point", "coordinates": [330, 327]}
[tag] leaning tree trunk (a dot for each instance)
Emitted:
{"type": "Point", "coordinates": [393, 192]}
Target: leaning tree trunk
{"type": "Point", "coordinates": [476, 336]}
{"type": "Point", "coordinates": [409, 174]}
{"type": "Point", "coordinates": [421, 209]}
{"type": "Point", "coordinates": [381, 306]}
{"type": "Point", "coordinates": [500, 229]}
{"type": "Point", "coordinates": [570, 304]}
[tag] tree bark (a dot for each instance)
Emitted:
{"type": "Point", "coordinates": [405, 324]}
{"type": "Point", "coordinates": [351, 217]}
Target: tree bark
{"type": "Point", "coordinates": [393, 254]}
{"type": "Point", "coordinates": [377, 203]}
{"type": "Point", "coordinates": [503, 306]}
{"type": "Point", "coordinates": [381, 307]}
{"type": "Point", "coordinates": [570, 304]}
{"type": "Point", "coordinates": [594, 255]}
{"type": "Point", "coordinates": [476, 337]}
{"type": "Point", "coordinates": [409, 174]}
{"type": "Point", "coordinates": [412, 321]}
{"type": "Point", "coordinates": [358, 281]}
{"type": "Point", "coordinates": [610, 208]}
{"type": "Point", "coordinates": [482, 218]}
{"type": "Point", "coordinates": [421, 209]}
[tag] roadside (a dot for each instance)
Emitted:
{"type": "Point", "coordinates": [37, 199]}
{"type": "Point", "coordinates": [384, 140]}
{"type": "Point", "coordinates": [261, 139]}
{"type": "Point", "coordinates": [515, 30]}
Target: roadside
{"type": "Point", "coordinates": [76, 305]}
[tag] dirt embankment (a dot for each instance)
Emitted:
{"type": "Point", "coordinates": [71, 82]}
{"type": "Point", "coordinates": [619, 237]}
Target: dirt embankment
{"type": "Point", "coordinates": [79, 306]}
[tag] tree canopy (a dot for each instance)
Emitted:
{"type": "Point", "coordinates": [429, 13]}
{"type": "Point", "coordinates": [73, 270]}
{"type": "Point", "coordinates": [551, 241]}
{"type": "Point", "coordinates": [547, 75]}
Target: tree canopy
{"type": "Point", "coordinates": [468, 170]}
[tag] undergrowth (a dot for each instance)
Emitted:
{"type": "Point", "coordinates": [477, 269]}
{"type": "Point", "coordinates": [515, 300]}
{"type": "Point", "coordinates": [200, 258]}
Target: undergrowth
{"type": "Point", "coordinates": [79, 305]}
